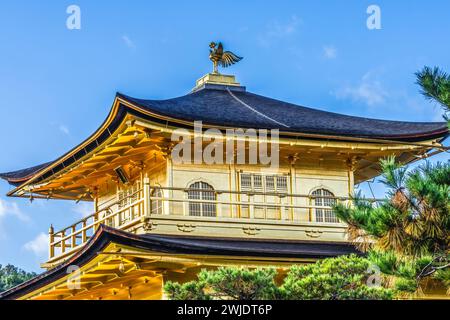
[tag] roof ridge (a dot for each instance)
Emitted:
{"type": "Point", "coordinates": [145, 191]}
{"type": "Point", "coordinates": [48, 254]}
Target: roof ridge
{"type": "Point", "coordinates": [256, 111]}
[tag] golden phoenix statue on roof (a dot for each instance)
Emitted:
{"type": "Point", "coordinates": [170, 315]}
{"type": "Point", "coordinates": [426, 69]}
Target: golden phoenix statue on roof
{"type": "Point", "coordinates": [220, 57]}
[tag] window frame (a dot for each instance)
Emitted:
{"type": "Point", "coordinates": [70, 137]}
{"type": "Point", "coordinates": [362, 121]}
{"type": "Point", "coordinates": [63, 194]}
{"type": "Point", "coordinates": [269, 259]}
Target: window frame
{"type": "Point", "coordinates": [320, 197]}
{"type": "Point", "coordinates": [201, 190]}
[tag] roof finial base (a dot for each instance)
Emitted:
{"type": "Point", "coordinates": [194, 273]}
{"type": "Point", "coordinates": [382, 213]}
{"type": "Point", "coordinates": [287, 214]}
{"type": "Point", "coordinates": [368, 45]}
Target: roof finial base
{"type": "Point", "coordinates": [216, 79]}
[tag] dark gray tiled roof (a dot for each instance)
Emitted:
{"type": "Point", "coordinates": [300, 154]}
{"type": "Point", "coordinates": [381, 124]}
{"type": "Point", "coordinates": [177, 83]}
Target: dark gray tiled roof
{"type": "Point", "coordinates": [20, 174]}
{"type": "Point", "coordinates": [218, 106]}
{"type": "Point", "coordinates": [237, 108]}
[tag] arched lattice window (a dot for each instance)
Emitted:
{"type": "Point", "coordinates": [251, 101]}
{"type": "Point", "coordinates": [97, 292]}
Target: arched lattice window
{"type": "Point", "coordinates": [157, 204]}
{"type": "Point", "coordinates": [323, 197]}
{"type": "Point", "coordinates": [201, 191]}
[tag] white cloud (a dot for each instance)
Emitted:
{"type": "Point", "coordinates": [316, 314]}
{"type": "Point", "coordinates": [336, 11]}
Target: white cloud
{"type": "Point", "coordinates": [329, 52]}
{"type": "Point", "coordinates": [39, 245]}
{"type": "Point", "coordinates": [84, 209]}
{"type": "Point", "coordinates": [64, 129]}
{"type": "Point", "coordinates": [277, 30]}
{"type": "Point", "coordinates": [8, 208]}
{"type": "Point", "coordinates": [368, 90]}
{"type": "Point", "coordinates": [128, 42]}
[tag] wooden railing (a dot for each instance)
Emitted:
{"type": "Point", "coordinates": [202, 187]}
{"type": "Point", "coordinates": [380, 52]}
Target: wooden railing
{"type": "Point", "coordinates": [242, 204]}
{"type": "Point", "coordinates": [160, 201]}
{"type": "Point", "coordinates": [114, 215]}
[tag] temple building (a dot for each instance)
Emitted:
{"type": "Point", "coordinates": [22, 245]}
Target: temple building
{"type": "Point", "coordinates": [155, 219]}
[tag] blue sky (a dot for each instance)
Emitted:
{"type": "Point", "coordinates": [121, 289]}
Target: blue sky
{"type": "Point", "coordinates": [57, 85]}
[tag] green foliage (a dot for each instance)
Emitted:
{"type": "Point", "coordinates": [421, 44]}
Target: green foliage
{"type": "Point", "coordinates": [227, 283]}
{"type": "Point", "coordinates": [406, 285]}
{"type": "Point", "coordinates": [241, 284]}
{"type": "Point", "coordinates": [435, 85]}
{"type": "Point", "coordinates": [386, 261]}
{"type": "Point", "coordinates": [444, 276]}
{"type": "Point", "coordinates": [341, 278]}
{"type": "Point", "coordinates": [406, 236]}
{"type": "Point", "coordinates": [11, 276]}
{"type": "Point", "coordinates": [193, 290]}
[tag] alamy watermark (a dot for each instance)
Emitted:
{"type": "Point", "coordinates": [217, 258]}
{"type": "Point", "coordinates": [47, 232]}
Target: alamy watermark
{"type": "Point", "coordinates": [374, 20]}
{"type": "Point", "coordinates": [374, 278]}
{"type": "Point", "coordinates": [73, 21]}
{"type": "Point", "coordinates": [73, 281]}
{"type": "Point", "coordinates": [235, 146]}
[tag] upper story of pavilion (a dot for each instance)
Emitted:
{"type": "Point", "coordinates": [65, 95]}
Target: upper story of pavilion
{"type": "Point", "coordinates": [184, 166]}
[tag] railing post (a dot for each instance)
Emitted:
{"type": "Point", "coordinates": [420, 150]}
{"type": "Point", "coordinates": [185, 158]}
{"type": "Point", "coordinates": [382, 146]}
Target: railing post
{"type": "Point", "coordinates": [310, 210]}
{"type": "Point", "coordinates": [63, 241]}
{"type": "Point", "coordinates": [218, 205]}
{"type": "Point", "coordinates": [284, 213]}
{"type": "Point", "coordinates": [95, 213]}
{"type": "Point", "coordinates": [51, 239]}
{"type": "Point", "coordinates": [74, 237]}
{"type": "Point", "coordinates": [83, 234]}
{"type": "Point", "coordinates": [251, 207]}
{"type": "Point", "coordinates": [147, 204]}
{"type": "Point", "coordinates": [185, 203]}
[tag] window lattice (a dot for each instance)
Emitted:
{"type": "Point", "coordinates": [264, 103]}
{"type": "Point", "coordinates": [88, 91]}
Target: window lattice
{"type": "Point", "coordinates": [157, 204]}
{"type": "Point", "coordinates": [202, 191]}
{"type": "Point", "coordinates": [270, 183]}
{"type": "Point", "coordinates": [128, 196]}
{"type": "Point", "coordinates": [323, 197]}
{"type": "Point", "coordinates": [258, 182]}
{"type": "Point", "coordinates": [246, 182]}
{"type": "Point", "coordinates": [282, 184]}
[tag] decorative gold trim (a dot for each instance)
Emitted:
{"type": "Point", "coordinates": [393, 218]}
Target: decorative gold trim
{"type": "Point", "coordinates": [186, 227]}
{"type": "Point", "coordinates": [251, 231]}
{"type": "Point", "coordinates": [314, 233]}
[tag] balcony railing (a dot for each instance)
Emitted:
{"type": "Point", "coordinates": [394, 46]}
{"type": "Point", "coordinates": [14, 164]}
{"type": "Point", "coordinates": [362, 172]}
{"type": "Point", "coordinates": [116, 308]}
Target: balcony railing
{"type": "Point", "coordinates": [212, 205]}
{"type": "Point", "coordinates": [73, 237]}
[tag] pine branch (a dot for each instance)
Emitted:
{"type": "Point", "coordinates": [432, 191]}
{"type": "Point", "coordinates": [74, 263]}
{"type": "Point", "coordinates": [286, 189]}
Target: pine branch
{"type": "Point", "coordinates": [429, 269]}
{"type": "Point", "coordinates": [435, 85]}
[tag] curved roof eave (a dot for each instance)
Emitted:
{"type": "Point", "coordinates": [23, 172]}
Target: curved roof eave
{"type": "Point", "coordinates": [124, 105]}
{"type": "Point", "coordinates": [18, 179]}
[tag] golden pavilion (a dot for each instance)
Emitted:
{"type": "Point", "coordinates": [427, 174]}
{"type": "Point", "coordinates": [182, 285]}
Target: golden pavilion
{"type": "Point", "coordinates": [156, 219]}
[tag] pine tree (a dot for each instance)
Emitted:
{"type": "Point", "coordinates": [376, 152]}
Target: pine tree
{"type": "Point", "coordinates": [227, 283]}
{"type": "Point", "coordinates": [407, 235]}
{"type": "Point", "coordinates": [435, 86]}
{"type": "Point", "coordinates": [341, 278]}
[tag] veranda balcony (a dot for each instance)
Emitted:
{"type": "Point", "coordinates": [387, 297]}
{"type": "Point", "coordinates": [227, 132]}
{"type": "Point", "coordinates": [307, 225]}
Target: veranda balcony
{"type": "Point", "coordinates": [211, 213]}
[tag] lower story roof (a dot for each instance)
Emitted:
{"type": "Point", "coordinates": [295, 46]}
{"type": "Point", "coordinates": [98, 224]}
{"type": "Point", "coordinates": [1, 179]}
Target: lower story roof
{"type": "Point", "coordinates": [183, 245]}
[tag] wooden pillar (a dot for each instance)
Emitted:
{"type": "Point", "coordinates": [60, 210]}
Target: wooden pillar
{"type": "Point", "coordinates": [351, 182]}
{"type": "Point", "coordinates": [351, 165]}
{"type": "Point", "coordinates": [51, 239]}
{"type": "Point", "coordinates": [231, 184]}
{"type": "Point", "coordinates": [146, 195]}
{"type": "Point", "coordinates": [293, 184]}
{"type": "Point", "coordinates": [170, 184]}
{"type": "Point", "coordinates": [96, 218]}
{"type": "Point", "coordinates": [238, 195]}
{"type": "Point", "coordinates": [167, 155]}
